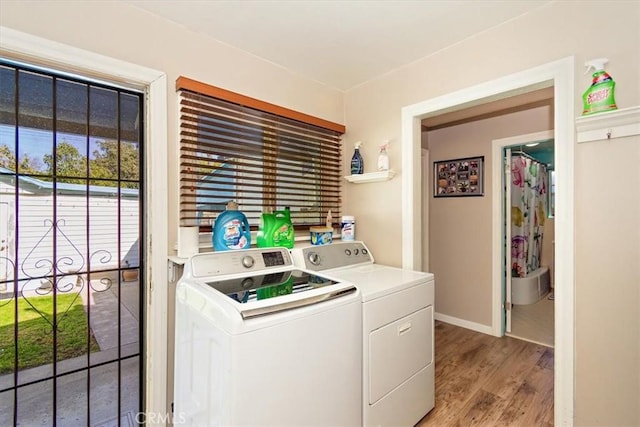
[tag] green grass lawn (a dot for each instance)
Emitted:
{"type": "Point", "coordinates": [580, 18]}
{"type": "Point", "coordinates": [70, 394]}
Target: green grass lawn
{"type": "Point", "coordinates": [35, 334]}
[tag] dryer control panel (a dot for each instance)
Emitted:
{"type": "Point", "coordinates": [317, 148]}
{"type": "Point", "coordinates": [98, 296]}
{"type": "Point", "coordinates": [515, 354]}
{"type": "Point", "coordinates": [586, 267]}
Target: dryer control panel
{"type": "Point", "coordinates": [334, 255]}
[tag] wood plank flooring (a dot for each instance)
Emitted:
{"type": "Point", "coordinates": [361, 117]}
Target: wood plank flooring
{"type": "Point", "coordinates": [483, 380]}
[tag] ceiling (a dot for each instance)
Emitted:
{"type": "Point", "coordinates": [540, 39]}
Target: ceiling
{"type": "Point", "coordinates": [339, 43]}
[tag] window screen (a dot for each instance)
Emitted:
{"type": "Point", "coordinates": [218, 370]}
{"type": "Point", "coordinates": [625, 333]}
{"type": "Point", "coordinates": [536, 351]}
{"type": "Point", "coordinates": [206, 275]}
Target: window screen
{"type": "Point", "coordinates": [232, 151]}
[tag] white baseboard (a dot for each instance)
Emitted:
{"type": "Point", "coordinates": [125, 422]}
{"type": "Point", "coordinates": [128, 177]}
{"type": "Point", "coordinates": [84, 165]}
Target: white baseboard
{"type": "Point", "coordinates": [464, 323]}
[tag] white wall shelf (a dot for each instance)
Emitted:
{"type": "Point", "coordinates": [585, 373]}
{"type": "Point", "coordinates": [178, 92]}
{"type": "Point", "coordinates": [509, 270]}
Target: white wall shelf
{"type": "Point", "coordinates": [608, 125]}
{"type": "Point", "coordinates": [371, 177]}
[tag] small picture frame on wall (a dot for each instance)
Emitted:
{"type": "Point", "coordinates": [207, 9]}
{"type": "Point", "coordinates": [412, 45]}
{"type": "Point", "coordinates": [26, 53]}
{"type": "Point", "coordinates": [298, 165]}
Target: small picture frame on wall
{"type": "Point", "coordinates": [459, 177]}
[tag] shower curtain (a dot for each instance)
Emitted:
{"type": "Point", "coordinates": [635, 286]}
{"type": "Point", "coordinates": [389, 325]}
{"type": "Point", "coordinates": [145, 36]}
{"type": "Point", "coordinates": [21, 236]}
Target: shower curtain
{"type": "Point", "coordinates": [528, 213]}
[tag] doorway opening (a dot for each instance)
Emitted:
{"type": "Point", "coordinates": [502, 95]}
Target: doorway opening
{"type": "Point", "coordinates": [525, 197]}
{"type": "Point", "coordinates": [560, 76]}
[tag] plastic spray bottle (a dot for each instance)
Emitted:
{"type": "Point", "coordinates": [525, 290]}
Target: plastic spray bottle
{"type": "Point", "coordinates": [357, 164]}
{"type": "Point", "coordinates": [383, 157]}
{"type": "Point", "coordinates": [600, 95]}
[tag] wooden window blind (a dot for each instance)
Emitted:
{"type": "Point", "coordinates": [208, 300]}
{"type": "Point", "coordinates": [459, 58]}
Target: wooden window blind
{"type": "Point", "coordinates": [263, 157]}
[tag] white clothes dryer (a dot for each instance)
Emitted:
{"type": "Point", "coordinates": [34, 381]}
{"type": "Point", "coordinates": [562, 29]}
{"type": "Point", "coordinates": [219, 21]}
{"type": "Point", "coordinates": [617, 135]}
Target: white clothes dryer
{"type": "Point", "coordinates": [398, 387]}
{"type": "Point", "coordinates": [261, 342]}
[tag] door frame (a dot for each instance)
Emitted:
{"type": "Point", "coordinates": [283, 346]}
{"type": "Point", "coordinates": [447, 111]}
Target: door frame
{"type": "Point", "coordinates": [26, 47]}
{"type": "Point", "coordinates": [498, 194]}
{"type": "Point", "coordinates": [425, 207]}
{"type": "Point", "coordinates": [505, 238]}
{"type": "Point", "coordinates": [559, 75]}
{"type": "Point", "coordinates": [4, 242]}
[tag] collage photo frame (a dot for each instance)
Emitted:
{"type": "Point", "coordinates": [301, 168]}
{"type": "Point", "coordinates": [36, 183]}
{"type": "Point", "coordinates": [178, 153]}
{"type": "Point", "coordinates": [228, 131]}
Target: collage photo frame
{"type": "Point", "coordinates": [459, 177]}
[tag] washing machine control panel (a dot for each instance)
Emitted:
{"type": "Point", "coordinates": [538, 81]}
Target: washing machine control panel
{"type": "Point", "coordinates": [334, 255]}
{"type": "Point", "coordinates": [232, 262]}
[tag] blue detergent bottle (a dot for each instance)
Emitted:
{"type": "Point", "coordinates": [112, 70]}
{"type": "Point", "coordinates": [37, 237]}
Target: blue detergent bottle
{"type": "Point", "coordinates": [357, 163]}
{"type": "Point", "coordinates": [231, 230]}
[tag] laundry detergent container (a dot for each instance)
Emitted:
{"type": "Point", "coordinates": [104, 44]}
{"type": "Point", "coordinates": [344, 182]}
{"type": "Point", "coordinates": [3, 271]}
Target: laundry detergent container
{"type": "Point", "coordinates": [231, 230]}
{"type": "Point", "coordinates": [276, 230]}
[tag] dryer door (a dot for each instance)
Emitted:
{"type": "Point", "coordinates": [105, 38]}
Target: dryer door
{"type": "Point", "coordinates": [398, 351]}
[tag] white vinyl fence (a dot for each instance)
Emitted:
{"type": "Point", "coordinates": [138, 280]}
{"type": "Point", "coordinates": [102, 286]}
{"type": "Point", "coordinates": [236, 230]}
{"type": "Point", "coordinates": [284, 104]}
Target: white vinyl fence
{"type": "Point", "coordinates": [81, 233]}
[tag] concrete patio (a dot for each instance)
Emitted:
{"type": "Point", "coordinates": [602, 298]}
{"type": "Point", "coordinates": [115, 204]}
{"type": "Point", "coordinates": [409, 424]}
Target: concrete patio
{"type": "Point", "coordinates": [35, 400]}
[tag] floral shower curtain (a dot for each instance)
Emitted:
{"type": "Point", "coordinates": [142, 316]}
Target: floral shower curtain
{"type": "Point", "coordinates": [528, 213]}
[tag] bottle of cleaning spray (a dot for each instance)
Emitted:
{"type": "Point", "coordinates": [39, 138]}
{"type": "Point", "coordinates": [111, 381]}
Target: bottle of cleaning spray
{"type": "Point", "coordinates": [383, 157]}
{"type": "Point", "coordinates": [357, 164]}
{"type": "Point", "coordinates": [600, 95]}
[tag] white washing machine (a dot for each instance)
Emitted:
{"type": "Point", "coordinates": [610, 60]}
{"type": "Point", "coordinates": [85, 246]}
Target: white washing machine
{"type": "Point", "coordinates": [262, 343]}
{"type": "Point", "coordinates": [398, 343]}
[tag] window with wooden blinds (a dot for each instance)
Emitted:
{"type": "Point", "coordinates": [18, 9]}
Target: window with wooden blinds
{"type": "Point", "coordinates": [263, 157]}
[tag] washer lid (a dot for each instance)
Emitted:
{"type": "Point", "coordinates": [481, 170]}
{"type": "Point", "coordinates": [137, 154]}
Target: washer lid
{"type": "Point", "coordinates": [270, 293]}
{"type": "Point", "coordinates": [258, 287]}
{"type": "Point", "coordinates": [375, 280]}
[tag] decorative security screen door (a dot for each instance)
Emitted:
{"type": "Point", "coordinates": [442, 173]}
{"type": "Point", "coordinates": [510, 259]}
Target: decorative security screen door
{"type": "Point", "coordinates": [71, 309]}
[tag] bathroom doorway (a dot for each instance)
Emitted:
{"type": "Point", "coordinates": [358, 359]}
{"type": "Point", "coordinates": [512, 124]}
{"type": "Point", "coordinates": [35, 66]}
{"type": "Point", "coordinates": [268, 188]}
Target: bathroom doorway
{"type": "Point", "coordinates": [528, 202]}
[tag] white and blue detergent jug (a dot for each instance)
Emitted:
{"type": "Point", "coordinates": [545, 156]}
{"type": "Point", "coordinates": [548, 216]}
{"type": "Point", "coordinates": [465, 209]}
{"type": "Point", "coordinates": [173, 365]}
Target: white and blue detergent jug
{"type": "Point", "coordinates": [231, 230]}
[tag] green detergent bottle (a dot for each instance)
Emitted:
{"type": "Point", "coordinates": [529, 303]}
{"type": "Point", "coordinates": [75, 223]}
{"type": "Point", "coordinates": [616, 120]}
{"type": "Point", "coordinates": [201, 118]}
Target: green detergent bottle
{"type": "Point", "coordinates": [600, 95]}
{"type": "Point", "coordinates": [276, 230]}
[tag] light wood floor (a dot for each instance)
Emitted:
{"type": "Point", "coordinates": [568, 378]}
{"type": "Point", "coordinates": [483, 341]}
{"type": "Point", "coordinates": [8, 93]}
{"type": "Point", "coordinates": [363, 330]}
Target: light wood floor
{"type": "Point", "coordinates": [488, 381]}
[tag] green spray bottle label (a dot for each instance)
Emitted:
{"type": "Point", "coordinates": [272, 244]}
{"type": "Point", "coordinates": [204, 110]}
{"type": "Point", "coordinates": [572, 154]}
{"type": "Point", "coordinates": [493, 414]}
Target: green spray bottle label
{"type": "Point", "coordinates": [600, 96]}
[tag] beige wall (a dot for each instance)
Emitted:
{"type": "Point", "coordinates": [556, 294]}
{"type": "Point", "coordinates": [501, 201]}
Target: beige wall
{"type": "Point", "coordinates": [459, 229]}
{"type": "Point", "coordinates": [608, 283]}
{"type": "Point", "coordinates": [607, 371]}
